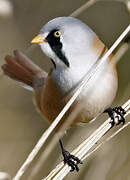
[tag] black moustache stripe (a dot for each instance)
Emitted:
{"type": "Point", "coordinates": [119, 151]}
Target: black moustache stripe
{"type": "Point", "coordinates": [61, 56]}
{"type": "Point", "coordinates": [56, 46]}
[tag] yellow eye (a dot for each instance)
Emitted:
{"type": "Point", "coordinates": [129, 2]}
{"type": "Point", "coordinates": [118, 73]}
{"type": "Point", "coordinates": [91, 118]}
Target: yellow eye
{"type": "Point", "coordinates": [57, 33]}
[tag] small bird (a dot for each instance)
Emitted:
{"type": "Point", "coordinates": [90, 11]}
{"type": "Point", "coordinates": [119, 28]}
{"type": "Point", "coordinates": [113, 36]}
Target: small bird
{"type": "Point", "coordinates": [73, 48]}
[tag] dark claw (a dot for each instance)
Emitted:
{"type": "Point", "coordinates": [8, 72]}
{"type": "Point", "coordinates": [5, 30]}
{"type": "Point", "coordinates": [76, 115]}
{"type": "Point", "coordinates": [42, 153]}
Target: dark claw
{"type": "Point", "coordinates": [70, 159]}
{"type": "Point", "coordinates": [120, 111]}
{"type": "Point", "coordinates": [76, 159]}
{"type": "Point", "coordinates": [73, 165]}
{"type": "Point", "coordinates": [120, 115]}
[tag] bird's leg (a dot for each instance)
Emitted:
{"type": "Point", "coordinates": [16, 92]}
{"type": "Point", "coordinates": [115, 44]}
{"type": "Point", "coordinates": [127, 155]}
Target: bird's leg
{"type": "Point", "coordinates": [70, 159]}
{"type": "Point", "coordinates": [120, 112]}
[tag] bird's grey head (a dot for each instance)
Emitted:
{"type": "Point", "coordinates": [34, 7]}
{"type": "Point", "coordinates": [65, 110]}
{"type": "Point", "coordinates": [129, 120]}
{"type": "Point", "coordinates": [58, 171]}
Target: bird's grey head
{"type": "Point", "coordinates": [63, 39]}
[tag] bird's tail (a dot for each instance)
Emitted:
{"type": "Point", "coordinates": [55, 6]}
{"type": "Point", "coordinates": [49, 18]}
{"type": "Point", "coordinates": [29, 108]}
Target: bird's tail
{"type": "Point", "coordinates": [22, 69]}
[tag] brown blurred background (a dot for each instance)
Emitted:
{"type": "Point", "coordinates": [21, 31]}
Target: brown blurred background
{"type": "Point", "coordinates": [21, 125]}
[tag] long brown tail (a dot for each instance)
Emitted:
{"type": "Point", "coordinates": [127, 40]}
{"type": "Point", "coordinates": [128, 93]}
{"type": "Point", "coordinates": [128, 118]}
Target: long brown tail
{"type": "Point", "coordinates": [22, 69]}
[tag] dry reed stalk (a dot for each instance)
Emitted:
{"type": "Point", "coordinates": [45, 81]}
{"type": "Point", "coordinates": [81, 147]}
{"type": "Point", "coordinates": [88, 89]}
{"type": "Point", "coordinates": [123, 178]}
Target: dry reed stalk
{"type": "Point", "coordinates": [90, 3]}
{"type": "Point", "coordinates": [81, 151]}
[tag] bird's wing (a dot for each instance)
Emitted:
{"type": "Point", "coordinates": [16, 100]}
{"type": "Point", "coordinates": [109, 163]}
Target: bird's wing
{"type": "Point", "coordinates": [20, 68]}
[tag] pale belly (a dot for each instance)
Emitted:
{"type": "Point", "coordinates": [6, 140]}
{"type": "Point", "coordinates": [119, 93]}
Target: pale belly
{"type": "Point", "coordinates": [93, 100]}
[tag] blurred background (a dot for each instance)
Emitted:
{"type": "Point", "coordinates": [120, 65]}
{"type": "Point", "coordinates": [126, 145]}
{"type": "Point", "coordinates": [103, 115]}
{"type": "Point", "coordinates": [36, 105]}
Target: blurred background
{"type": "Point", "coordinates": [21, 125]}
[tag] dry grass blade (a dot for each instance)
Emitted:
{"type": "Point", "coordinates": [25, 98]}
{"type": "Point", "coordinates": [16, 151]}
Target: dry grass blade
{"type": "Point", "coordinates": [90, 3]}
{"type": "Point", "coordinates": [108, 139]}
{"type": "Point", "coordinates": [81, 9]}
{"type": "Point", "coordinates": [81, 151]}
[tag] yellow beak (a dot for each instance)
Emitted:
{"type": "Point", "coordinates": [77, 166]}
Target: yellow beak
{"type": "Point", "coordinates": [38, 39]}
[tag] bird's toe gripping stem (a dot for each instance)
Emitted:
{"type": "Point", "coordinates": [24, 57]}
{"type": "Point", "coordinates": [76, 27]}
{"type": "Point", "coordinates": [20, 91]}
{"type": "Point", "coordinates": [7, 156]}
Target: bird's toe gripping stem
{"type": "Point", "coordinates": [117, 115]}
{"type": "Point", "coordinates": [70, 159]}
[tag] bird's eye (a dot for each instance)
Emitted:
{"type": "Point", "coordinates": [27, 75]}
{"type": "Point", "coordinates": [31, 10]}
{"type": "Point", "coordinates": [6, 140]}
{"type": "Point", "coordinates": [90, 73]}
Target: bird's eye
{"type": "Point", "coordinates": [57, 33]}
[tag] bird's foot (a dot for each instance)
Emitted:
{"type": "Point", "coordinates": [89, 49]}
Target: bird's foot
{"type": "Point", "coordinates": [117, 115]}
{"type": "Point", "coordinates": [70, 159]}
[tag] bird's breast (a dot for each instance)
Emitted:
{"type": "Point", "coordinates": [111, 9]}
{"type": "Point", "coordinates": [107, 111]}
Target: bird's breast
{"type": "Point", "coordinates": [94, 99]}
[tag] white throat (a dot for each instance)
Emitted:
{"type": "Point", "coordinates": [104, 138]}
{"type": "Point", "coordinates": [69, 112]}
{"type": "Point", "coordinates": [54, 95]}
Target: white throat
{"type": "Point", "coordinates": [68, 78]}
